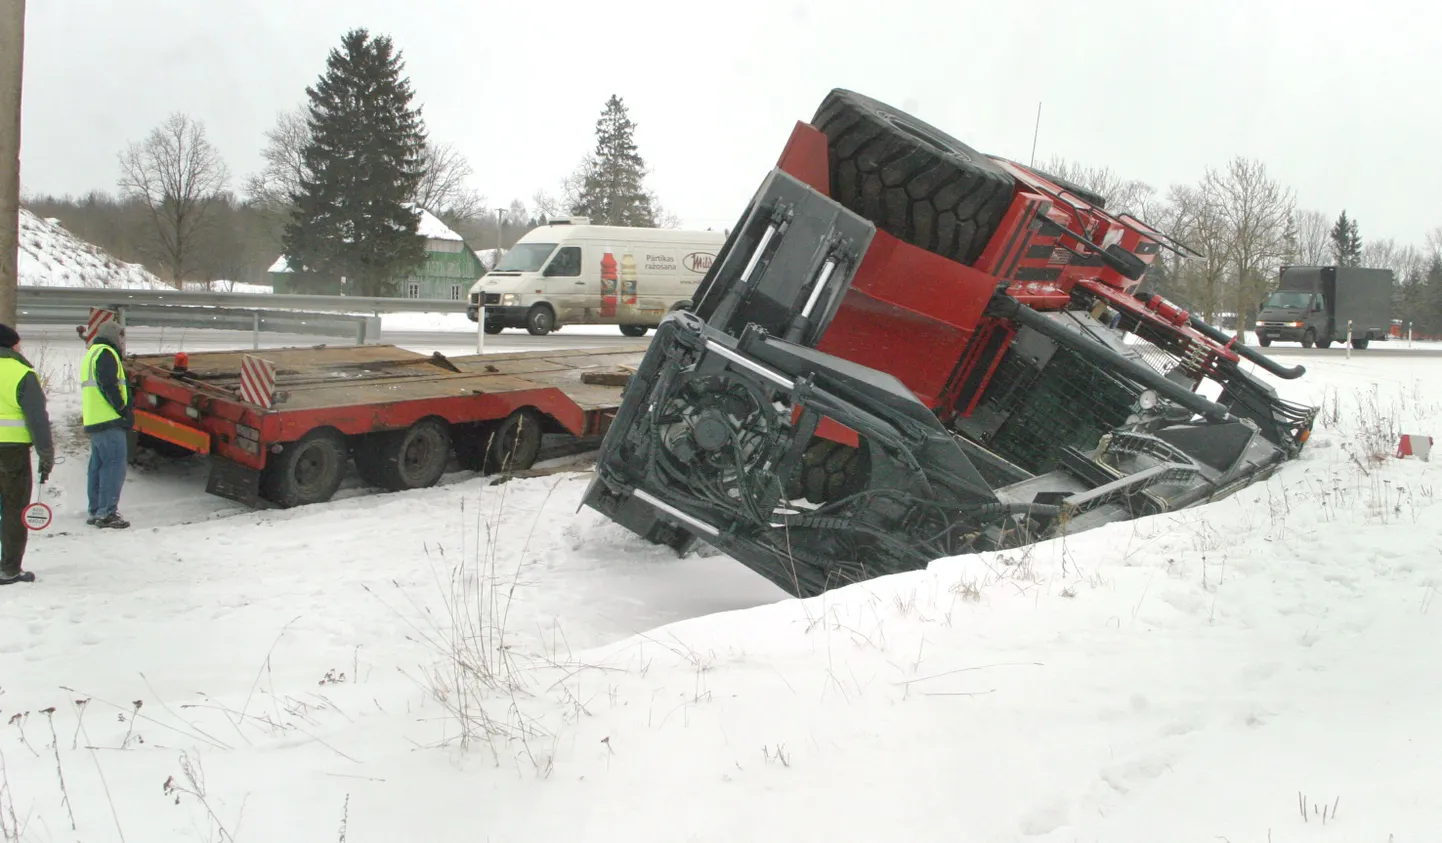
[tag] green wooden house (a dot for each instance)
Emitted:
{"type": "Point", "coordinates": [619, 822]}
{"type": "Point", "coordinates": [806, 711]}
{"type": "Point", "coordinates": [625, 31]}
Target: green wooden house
{"type": "Point", "coordinates": [450, 268]}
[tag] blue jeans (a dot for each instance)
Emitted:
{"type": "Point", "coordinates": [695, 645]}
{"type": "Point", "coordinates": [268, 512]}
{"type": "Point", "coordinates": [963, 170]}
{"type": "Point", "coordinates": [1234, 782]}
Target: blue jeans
{"type": "Point", "coordinates": [109, 450]}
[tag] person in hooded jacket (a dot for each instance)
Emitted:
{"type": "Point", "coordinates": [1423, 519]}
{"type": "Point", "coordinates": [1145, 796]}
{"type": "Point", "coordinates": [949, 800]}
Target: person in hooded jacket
{"type": "Point", "coordinates": [24, 426]}
{"type": "Point", "coordinates": [108, 414]}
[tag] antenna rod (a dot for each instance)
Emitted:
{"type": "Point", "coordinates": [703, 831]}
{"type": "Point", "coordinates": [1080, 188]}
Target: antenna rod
{"type": "Point", "coordinates": [1034, 134]}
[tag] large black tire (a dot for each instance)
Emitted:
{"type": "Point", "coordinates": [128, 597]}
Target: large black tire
{"type": "Point", "coordinates": [492, 328]}
{"type": "Point", "coordinates": [911, 179]}
{"type": "Point", "coordinates": [306, 471]}
{"type": "Point", "coordinates": [1309, 338]}
{"type": "Point", "coordinates": [414, 458]}
{"type": "Point", "coordinates": [829, 471]}
{"type": "Point", "coordinates": [515, 443]}
{"type": "Point", "coordinates": [540, 320]}
{"type": "Point", "coordinates": [634, 330]}
{"type": "Point", "coordinates": [1360, 344]}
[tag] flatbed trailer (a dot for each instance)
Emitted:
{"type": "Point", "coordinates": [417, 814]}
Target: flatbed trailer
{"type": "Point", "coordinates": [282, 425]}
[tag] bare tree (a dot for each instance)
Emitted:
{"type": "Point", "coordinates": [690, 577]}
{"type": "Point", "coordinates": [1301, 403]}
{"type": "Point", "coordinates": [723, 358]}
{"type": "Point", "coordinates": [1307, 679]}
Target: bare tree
{"type": "Point", "coordinates": [271, 189]}
{"type": "Point", "coordinates": [1257, 211]}
{"type": "Point", "coordinates": [1200, 223]}
{"type": "Point", "coordinates": [443, 189]}
{"type": "Point", "coordinates": [1314, 238]}
{"type": "Point", "coordinates": [546, 205]}
{"type": "Point", "coordinates": [178, 175]}
{"type": "Point", "coordinates": [1121, 195]}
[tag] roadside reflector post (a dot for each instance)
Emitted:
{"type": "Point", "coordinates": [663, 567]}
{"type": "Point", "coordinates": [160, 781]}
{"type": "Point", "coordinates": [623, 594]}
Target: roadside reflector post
{"type": "Point", "coordinates": [1415, 445]}
{"type": "Point", "coordinates": [481, 328]}
{"type": "Point", "coordinates": [255, 330]}
{"type": "Point", "coordinates": [1349, 339]}
{"type": "Point", "coordinates": [1409, 334]}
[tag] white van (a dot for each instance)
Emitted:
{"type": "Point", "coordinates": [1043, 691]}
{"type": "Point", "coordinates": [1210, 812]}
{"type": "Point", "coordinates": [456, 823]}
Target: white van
{"type": "Point", "coordinates": [569, 272]}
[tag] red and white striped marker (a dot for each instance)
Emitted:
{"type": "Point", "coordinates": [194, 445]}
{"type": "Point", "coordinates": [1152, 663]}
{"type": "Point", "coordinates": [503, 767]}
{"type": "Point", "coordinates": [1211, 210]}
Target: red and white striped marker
{"type": "Point", "coordinates": [1415, 445]}
{"type": "Point", "coordinates": [98, 317]}
{"type": "Point", "coordinates": [257, 381]}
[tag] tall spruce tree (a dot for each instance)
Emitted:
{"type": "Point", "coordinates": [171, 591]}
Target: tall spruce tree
{"type": "Point", "coordinates": [612, 190]}
{"type": "Point", "coordinates": [1346, 241]}
{"type": "Point", "coordinates": [353, 217]}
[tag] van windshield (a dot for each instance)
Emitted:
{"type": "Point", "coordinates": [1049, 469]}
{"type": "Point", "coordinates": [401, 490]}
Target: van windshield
{"type": "Point", "coordinates": [525, 257]}
{"type": "Point", "coordinates": [1289, 299]}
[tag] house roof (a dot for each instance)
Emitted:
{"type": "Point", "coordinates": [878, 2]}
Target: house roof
{"type": "Point", "coordinates": [430, 227]}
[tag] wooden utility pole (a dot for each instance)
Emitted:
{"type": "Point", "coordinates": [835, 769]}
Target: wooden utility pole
{"type": "Point", "coordinates": [12, 65]}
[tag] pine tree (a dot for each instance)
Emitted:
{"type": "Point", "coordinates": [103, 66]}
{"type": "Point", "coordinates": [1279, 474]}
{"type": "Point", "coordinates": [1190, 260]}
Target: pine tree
{"type": "Point", "coordinates": [611, 190]}
{"type": "Point", "coordinates": [353, 217]}
{"type": "Point", "coordinates": [1346, 241]}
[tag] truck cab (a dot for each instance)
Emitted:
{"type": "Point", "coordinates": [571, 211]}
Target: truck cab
{"type": "Point", "coordinates": [571, 272]}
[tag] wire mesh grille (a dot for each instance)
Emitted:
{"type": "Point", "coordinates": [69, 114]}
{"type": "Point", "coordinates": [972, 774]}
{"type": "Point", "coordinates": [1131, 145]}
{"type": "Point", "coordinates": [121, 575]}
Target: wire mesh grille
{"type": "Point", "coordinates": [1071, 403]}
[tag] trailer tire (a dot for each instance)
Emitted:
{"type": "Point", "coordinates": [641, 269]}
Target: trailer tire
{"type": "Point", "coordinates": [540, 321]}
{"type": "Point", "coordinates": [414, 458]}
{"type": "Point", "coordinates": [515, 443]}
{"type": "Point", "coordinates": [829, 471]}
{"type": "Point", "coordinates": [634, 330]}
{"type": "Point", "coordinates": [306, 471]}
{"type": "Point", "coordinates": [914, 181]}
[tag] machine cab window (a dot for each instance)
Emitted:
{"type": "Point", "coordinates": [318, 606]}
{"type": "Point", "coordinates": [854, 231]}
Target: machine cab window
{"type": "Point", "coordinates": [566, 263]}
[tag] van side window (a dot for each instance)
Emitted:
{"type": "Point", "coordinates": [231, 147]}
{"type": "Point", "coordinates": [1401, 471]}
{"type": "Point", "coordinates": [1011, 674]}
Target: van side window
{"type": "Point", "coordinates": [566, 263]}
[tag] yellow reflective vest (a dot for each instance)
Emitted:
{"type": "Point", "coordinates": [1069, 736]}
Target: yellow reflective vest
{"type": "Point", "coordinates": [13, 429]}
{"type": "Point", "coordinates": [94, 409]}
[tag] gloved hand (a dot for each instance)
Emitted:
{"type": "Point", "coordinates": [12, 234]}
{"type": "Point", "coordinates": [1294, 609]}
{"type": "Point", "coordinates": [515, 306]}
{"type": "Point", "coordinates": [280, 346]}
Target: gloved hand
{"type": "Point", "coordinates": [47, 465]}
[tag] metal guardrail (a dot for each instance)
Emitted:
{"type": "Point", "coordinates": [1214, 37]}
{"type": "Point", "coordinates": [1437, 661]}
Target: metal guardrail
{"type": "Point", "coordinates": [348, 326]}
{"type": "Point", "coordinates": [111, 298]}
{"type": "Point", "coordinates": [351, 317]}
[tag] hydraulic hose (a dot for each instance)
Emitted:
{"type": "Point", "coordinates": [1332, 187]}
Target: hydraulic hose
{"type": "Point", "coordinates": [1007, 307]}
{"type": "Point", "coordinates": [1247, 352]}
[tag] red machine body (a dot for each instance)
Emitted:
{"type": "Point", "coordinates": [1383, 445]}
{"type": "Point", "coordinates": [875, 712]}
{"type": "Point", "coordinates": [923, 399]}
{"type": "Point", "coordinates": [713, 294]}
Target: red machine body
{"type": "Point", "coordinates": [921, 317]}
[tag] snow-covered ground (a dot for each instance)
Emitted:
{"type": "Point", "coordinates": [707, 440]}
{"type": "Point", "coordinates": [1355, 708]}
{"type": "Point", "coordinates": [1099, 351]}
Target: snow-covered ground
{"type": "Point", "coordinates": [481, 662]}
{"type": "Point", "coordinates": [50, 256]}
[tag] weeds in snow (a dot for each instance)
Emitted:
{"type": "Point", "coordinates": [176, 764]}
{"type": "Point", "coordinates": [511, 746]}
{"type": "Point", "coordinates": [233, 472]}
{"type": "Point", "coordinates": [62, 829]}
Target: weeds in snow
{"type": "Point", "coordinates": [194, 787]}
{"type": "Point", "coordinates": [1325, 812]}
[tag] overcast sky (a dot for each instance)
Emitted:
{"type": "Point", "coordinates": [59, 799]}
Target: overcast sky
{"type": "Point", "coordinates": [1341, 102]}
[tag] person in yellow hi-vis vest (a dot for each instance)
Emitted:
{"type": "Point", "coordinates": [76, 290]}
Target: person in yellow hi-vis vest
{"type": "Point", "coordinates": [107, 413]}
{"type": "Point", "coordinates": [24, 425]}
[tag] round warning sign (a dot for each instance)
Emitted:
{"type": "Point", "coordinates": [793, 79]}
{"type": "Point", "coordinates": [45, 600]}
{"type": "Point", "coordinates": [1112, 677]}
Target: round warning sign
{"type": "Point", "coordinates": [36, 516]}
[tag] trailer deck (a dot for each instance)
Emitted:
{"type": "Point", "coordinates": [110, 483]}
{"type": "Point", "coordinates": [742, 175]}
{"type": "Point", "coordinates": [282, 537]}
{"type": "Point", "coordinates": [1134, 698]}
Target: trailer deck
{"type": "Point", "coordinates": [369, 402]}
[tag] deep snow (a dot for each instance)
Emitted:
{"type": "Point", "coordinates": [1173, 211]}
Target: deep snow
{"type": "Point", "coordinates": [51, 256]}
{"type": "Point", "coordinates": [1198, 676]}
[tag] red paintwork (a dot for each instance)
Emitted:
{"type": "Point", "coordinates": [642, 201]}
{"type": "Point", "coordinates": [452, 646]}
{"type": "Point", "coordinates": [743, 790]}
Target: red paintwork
{"type": "Point", "coordinates": [914, 314]}
{"type": "Point", "coordinates": [220, 413]}
{"type": "Point", "coordinates": [806, 159]}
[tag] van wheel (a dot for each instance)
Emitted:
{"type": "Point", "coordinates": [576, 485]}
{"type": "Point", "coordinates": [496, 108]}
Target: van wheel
{"type": "Point", "coordinates": [634, 330]}
{"type": "Point", "coordinates": [493, 328]}
{"type": "Point", "coordinates": [306, 471]}
{"type": "Point", "coordinates": [540, 321]}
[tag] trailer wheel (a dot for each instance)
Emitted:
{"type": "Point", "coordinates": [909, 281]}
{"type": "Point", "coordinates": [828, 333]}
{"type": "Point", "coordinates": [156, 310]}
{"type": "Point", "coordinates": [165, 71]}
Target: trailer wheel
{"type": "Point", "coordinates": [911, 179]}
{"type": "Point", "coordinates": [515, 443]}
{"type": "Point", "coordinates": [634, 330]}
{"type": "Point", "coordinates": [540, 321]}
{"type": "Point", "coordinates": [414, 458]}
{"type": "Point", "coordinates": [306, 471]}
{"type": "Point", "coordinates": [829, 471]}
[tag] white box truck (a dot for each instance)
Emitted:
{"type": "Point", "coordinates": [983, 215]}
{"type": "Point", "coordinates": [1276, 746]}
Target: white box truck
{"type": "Point", "coordinates": [569, 272]}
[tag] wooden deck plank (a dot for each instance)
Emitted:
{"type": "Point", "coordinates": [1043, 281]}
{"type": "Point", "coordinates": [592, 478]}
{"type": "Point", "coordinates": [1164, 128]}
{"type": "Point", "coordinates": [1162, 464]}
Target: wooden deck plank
{"type": "Point", "coordinates": [345, 376]}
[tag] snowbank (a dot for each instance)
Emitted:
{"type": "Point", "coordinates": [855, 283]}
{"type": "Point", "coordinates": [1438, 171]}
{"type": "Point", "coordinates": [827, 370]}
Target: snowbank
{"type": "Point", "coordinates": [482, 661]}
{"type": "Point", "coordinates": [50, 256]}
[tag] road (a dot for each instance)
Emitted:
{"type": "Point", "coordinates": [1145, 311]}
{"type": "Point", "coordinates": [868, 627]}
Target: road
{"type": "Point", "coordinates": [1373, 350]}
